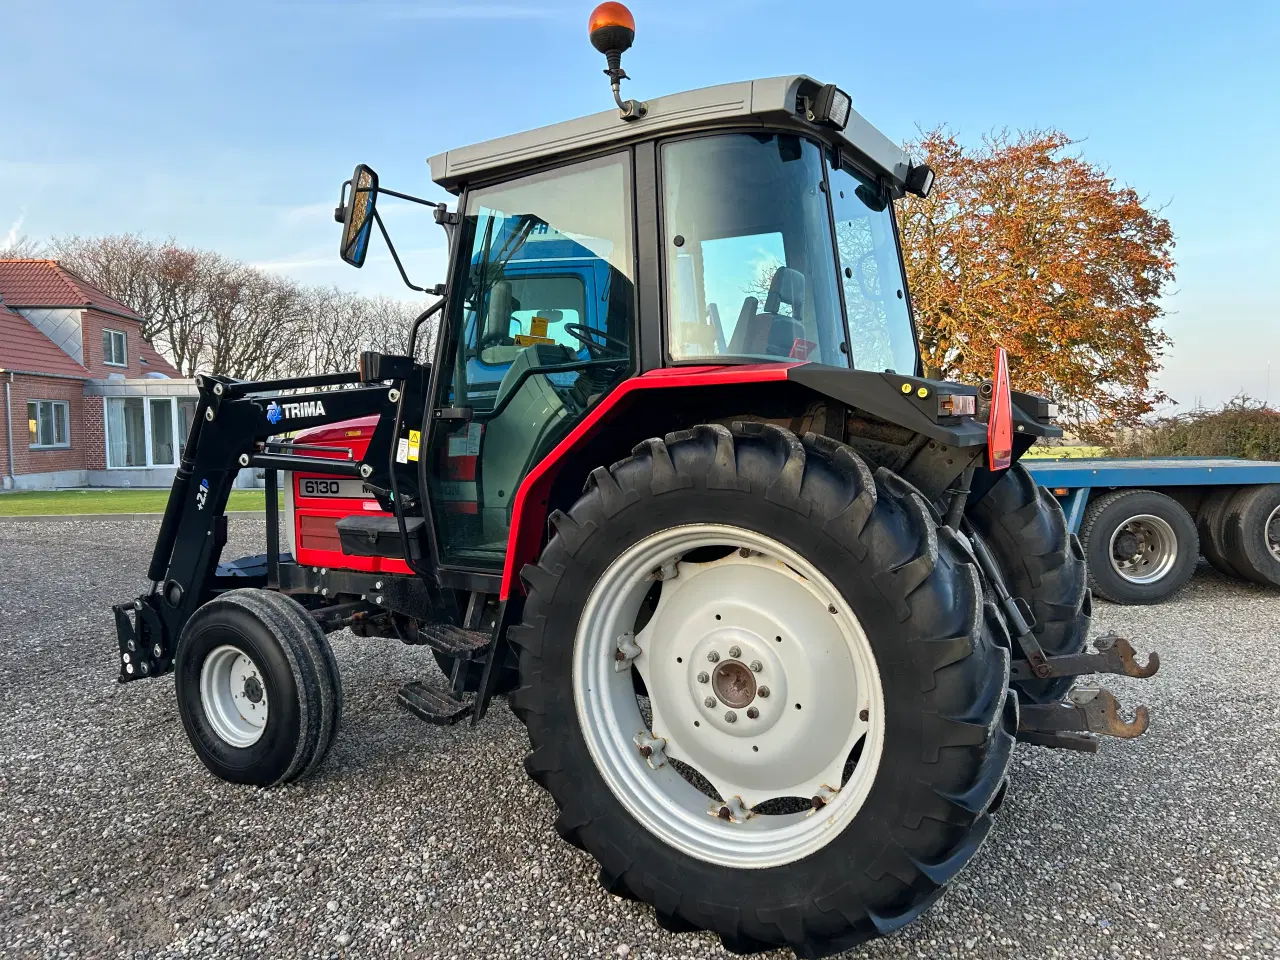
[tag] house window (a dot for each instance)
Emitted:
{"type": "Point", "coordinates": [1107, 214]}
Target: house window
{"type": "Point", "coordinates": [114, 348]}
{"type": "Point", "coordinates": [147, 431]}
{"type": "Point", "coordinates": [47, 422]}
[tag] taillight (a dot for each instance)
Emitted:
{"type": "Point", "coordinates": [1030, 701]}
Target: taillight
{"type": "Point", "coordinates": [1000, 421]}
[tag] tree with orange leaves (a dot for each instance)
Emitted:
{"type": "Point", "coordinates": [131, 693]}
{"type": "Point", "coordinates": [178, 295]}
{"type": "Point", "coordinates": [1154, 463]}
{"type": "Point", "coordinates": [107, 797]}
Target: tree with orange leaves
{"type": "Point", "coordinates": [1026, 246]}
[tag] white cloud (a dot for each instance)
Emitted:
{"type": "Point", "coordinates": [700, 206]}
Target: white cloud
{"type": "Point", "coordinates": [11, 238]}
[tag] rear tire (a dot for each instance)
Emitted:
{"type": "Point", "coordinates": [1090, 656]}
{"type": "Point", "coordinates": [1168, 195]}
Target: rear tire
{"type": "Point", "coordinates": [1209, 520]}
{"type": "Point", "coordinates": [1141, 546]}
{"type": "Point", "coordinates": [1251, 533]}
{"type": "Point", "coordinates": [1043, 563]}
{"type": "Point", "coordinates": [258, 688]}
{"type": "Point", "coordinates": [914, 595]}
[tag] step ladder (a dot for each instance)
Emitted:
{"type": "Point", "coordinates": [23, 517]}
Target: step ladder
{"type": "Point", "coordinates": [445, 705]}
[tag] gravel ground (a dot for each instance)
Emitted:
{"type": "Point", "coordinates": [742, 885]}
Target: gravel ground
{"type": "Point", "coordinates": [428, 842]}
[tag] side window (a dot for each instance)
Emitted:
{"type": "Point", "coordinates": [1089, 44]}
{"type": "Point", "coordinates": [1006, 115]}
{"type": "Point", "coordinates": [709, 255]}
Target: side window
{"type": "Point", "coordinates": [750, 267]}
{"type": "Point", "coordinates": [541, 327]}
{"type": "Point", "coordinates": [875, 293]}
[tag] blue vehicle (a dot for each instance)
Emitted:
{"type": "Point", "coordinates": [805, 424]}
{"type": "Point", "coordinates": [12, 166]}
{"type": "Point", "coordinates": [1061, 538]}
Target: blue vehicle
{"type": "Point", "coordinates": [1143, 524]}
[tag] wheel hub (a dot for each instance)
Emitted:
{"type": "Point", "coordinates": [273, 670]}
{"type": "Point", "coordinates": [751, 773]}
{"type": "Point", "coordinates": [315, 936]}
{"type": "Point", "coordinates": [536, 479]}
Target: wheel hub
{"type": "Point", "coordinates": [1144, 549]}
{"type": "Point", "coordinates": [727, 684]}
{"type": "Point", "coordinates": [734, 683]}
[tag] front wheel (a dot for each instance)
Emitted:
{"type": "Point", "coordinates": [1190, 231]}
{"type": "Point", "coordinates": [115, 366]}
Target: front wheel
{"type": "Point", "coordinates": [760, 685]}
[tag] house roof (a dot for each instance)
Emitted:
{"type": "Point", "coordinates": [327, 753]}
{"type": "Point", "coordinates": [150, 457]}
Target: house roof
{"type": "Point", "coordinates": [154, 361]}
{"type": "Point", "coordinates": [47, 283]}
{"type": "Point", "coordinates": [29, 350]}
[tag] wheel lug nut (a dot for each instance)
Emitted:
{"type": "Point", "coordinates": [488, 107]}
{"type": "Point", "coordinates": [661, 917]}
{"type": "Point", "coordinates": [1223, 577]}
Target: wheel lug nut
{"type": "Point", "coordinates": [735, 652]}
{"type": "Point", "coordinates": [763, 691]}
{"type": "Point", "coordinates": [704, 677]}
{"type": "Point", "coordinates": [713, 656]}
{"type": "Point", "coordinates": [725, 813]}
{"type": "Point", "coordinates": [864, 714]}
{"type": "Point", "coordinates": [730, 717]}
{"type": "Point", "coordinates": [709, 702]}
{"type": "Point", "coordinates": [756, 666]}
{"type": "Point", "coordinates": [752, 713]}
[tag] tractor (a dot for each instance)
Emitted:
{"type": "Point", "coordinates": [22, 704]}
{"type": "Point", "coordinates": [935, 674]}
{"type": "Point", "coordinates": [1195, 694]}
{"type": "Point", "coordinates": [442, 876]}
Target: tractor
{"type": "Point", "coordinates": [773, 607]}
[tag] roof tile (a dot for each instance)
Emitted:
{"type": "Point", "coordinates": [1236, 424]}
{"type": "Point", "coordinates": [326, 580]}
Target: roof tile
{"type": "Point", "coordinates": [47, 283]}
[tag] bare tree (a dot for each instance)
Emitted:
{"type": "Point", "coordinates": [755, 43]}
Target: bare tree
{"type": "Point", "coordinates": [20, 248]}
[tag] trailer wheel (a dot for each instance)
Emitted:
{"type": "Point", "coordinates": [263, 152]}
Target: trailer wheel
{"type": "Point", "coordinates": [1141, 546]}
{"type": "Point", "coordinates": [1023, 525]}
{"type": "Point", "coordinates": [258, 688]}
{"type": "Point", "coordinates": [1251, 533]}
{"type": "Point", "coordinates": [759, 685]}
{"type": "Point", "coordinates": [1209, 520]}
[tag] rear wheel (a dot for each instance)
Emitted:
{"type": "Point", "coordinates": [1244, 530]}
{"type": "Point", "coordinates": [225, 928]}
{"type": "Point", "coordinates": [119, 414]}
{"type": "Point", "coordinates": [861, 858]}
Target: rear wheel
{"type": "Point", "coordinates": [1209, 520]}
{"type": "Point", "coordinates": [1141, 546]}
{"type": "Point", "coordinates": [1251, 533]}
{"type": "Point", "coordinates": [258, 688]}
{"type": "Point", "coordinates": [1042, 561]}
{"type": "Point", "coordinates": [731, 632]}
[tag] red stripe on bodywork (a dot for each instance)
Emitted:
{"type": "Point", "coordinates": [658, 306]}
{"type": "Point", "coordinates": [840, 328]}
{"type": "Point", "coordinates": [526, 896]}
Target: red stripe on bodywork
{"type": "Point", "coordinates": [529, 510]}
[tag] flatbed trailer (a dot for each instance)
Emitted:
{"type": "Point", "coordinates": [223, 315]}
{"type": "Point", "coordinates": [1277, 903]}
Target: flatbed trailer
{"type": "Point", "coordinates": [1143, 523]}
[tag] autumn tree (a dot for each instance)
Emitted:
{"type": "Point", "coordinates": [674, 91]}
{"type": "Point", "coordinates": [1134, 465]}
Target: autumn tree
{"type": "Point", "coordinates": [1025, 245]}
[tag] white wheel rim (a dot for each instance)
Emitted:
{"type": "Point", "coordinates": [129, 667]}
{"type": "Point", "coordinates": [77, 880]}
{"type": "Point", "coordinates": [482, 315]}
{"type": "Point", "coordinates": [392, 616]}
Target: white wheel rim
{"type": "Point", "coordinates": [1271, 533]}
{"type": "Point", "coordinates": [234, 696]}
{"type": "Point", "coordinates": [1154, 549]}
{"type": "Point", "coordinates": [824, 662]}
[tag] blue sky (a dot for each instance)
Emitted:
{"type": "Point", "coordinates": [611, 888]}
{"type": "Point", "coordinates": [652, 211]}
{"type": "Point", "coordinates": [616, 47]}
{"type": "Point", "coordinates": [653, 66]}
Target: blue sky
{"type": "Point", "coordinates": [231, 125]}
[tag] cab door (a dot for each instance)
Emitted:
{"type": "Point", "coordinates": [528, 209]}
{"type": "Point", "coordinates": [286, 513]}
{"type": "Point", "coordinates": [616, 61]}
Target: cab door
{"type": "Point", "coordinates": [540, 327]}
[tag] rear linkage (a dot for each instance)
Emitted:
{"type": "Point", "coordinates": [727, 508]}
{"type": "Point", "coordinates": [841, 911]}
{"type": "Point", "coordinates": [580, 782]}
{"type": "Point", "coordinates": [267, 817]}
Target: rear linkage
{"type": "Point", "coordinates": [1086, 713]}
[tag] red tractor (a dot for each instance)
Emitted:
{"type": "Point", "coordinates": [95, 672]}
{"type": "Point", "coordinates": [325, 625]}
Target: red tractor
{"type": "Point", "coordinates": [773, 606]}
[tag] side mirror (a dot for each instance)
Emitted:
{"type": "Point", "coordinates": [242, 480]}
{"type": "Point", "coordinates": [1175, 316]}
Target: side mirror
{"type": "Point", "coordinates": [358, 215]}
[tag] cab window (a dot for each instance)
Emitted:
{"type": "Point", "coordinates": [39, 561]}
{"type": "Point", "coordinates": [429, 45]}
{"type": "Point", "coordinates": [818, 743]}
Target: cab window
{"type": "Point", "coordinates": [751, 271]}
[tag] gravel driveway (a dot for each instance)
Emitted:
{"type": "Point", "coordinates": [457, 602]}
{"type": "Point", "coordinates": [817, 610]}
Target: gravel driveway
{"type": "Point", "coordinates": [430, 842]}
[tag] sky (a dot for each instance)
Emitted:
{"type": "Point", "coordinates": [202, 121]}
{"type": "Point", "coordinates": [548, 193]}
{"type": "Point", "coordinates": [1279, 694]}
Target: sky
{"type": "Point", "coordinates": [231, 125]}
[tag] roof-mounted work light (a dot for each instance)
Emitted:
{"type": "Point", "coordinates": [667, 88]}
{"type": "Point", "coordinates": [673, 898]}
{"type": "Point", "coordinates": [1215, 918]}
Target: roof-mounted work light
{"type": "Point", "coordinates": [830, 106]}
{"type": "Point", "coordinates": [613, 30]}
{"type": "Point", "coordinates": [920, 180]}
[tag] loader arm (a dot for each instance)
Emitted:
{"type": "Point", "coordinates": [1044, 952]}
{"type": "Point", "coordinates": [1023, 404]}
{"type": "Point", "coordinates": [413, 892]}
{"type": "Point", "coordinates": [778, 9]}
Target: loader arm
{"type": "Point", "coordinates": [234, 427]}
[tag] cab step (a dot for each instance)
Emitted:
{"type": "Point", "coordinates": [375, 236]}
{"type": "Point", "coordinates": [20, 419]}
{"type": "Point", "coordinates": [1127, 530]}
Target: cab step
{"type": "Point", "coordinates": [433, 704]}
{"type": "Point", "coordinates": [458, 642]}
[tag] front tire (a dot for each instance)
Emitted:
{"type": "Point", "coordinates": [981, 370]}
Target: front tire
{"type": "Point", "coordinates": [852, 573]}
{"type": "Point", "coordinates": [258, 688]}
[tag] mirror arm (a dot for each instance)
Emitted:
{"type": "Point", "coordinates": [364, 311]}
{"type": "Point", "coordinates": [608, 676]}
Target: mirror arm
{"type": "Point", "coordinates": [395, 256]}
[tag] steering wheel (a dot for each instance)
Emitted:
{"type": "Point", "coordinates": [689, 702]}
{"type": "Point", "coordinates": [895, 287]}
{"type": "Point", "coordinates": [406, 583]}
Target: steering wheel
{"type": "Point", "coordinates": [585, 335]}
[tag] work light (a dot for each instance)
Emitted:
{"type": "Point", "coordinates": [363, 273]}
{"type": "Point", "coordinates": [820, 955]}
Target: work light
{"type": "Point", "coordinates": [830, 106]}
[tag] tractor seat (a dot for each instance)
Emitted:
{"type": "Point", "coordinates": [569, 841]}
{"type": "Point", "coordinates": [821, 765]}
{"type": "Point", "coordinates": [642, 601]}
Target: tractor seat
{"type": "Point", "coordinates": [770, 333]}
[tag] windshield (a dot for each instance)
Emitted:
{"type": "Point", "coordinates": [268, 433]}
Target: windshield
{"type": "Point", "coordinates": [875, 294]}
{"type": "Point", "coordinates": [751, 271]}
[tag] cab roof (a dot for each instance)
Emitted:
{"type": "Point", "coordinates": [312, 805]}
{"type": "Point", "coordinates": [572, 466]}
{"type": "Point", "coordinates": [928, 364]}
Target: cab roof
{"type": "Point", "coordinates": [771, 102]}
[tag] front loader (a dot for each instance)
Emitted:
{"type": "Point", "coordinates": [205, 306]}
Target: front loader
{"type": "Point", "coordinates": [773, 606]}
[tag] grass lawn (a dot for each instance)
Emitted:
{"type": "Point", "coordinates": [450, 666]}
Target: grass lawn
{"type": "Point", "coordinates": [25, 503]}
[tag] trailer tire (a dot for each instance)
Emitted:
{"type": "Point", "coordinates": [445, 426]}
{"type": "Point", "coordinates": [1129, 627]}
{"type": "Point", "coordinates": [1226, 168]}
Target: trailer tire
{"type": "Point", "coordinates": [1023, 525]}
{"type": "Point", "coordinates": [258, 688]}
{"type": "Point", "coordinates": [1251, 533]}
{"type": "Point", "coordinates": [1141, 546]}
{"type": "Point", "coordinates": [946, 719]}
{"type": "Point", "coordinates": [1209, 520]}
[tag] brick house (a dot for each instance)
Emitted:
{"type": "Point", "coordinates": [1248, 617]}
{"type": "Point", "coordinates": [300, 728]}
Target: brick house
{"type": "Point", "coordinates": [87, 401]}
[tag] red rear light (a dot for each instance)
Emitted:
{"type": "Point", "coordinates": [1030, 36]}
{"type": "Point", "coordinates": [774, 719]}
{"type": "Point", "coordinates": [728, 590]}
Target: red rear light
{"type": "Point", "coordinates": [1000, 422]}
